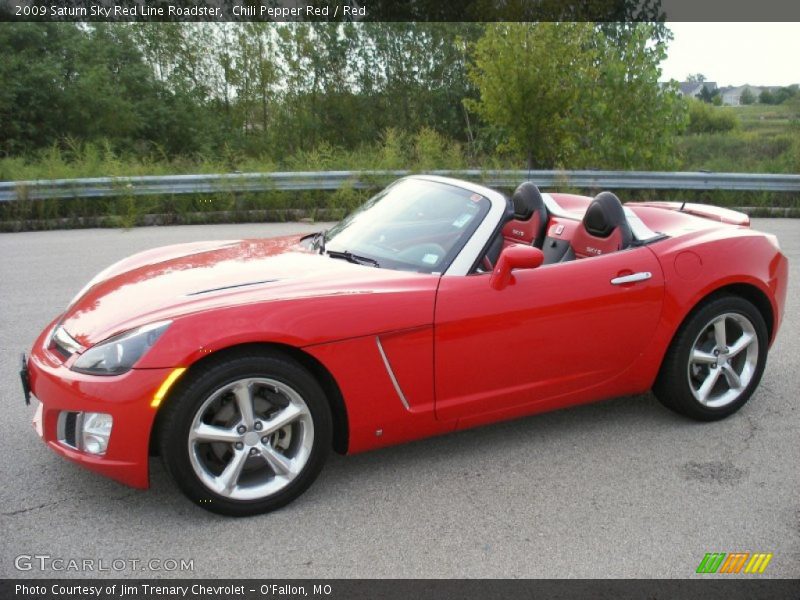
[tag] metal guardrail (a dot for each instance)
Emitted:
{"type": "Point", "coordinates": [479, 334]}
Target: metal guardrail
{"type": "Point", "coordinates": [99, 187]}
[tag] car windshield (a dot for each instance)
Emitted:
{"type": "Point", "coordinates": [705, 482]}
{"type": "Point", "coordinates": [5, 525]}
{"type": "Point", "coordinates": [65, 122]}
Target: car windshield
{"type": "Point", "coordinates": [415, 224]}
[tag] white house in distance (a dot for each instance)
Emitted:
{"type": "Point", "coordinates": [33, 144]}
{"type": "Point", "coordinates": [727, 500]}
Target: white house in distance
{"type": "Point", "coordinates": [730, 95]}
{"type": "Point", "coordinates": [693, 88]}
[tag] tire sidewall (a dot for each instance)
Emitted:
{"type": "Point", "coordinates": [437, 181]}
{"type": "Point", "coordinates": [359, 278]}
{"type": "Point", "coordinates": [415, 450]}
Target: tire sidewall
{"type": "Point", "coordinates": [685, 345]}
{"type": "Point", "coordinates": [194, 391]}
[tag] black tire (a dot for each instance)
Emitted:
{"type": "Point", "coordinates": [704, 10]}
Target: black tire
{"type": "Point", "coordinates": [675, 382]}
{"type": "Point", "coordinates": [198, 388]}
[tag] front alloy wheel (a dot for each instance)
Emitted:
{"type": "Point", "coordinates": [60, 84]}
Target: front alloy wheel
{"type": "Point", "coordinates": [246, 435]}
{"type": "Point", "coordinates": [251, 438]}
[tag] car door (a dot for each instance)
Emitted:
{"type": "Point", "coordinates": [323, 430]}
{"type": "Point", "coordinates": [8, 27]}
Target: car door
{"type": "Point", "coordinates": [556, 329]}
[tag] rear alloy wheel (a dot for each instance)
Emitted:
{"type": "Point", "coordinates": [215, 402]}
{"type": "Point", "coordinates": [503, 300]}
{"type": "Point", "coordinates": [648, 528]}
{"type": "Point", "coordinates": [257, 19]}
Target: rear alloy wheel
{"type": "Point", "coordinates": [715, 361]}
{"type": "Point", "coordinates": [248, 435]}
{"type": "Point", "coordinates": [720, 368]}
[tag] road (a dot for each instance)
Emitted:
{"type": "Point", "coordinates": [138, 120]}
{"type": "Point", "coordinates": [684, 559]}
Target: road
{"type": "Point", "coordinates": [622, 488]}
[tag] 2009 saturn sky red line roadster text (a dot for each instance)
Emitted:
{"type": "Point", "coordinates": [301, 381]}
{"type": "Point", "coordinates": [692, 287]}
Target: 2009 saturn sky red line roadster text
{"type": "Point", "coordinates": [438, 305]}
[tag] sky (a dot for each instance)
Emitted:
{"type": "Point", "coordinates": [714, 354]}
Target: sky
{"type": "Point", "coordinates": [735, 53]}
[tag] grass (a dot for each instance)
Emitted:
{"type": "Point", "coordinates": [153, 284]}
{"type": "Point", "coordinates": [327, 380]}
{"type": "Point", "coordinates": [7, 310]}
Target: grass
{"type": "Point", "coordinates": [754, 116]}
{"type": "Point", "coordinates": [766, 140]}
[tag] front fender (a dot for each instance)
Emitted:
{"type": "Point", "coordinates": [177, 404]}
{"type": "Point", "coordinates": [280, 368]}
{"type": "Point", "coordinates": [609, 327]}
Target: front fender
{"type": "Point", "coordinates": [296, 322]}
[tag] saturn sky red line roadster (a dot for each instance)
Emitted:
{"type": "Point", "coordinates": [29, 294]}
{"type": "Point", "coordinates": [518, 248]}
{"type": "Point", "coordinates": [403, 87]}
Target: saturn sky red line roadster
{"type": "Point", "coordinates": [437, 306]}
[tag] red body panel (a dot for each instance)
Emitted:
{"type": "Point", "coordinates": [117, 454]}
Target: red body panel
{"type": "Point", "coordinates": [572, 203]}
{"type": "Point", "coordinates": [538, 339]}
{"type": "Point", "coordinates": [249, 279]}
{"type": "Point", "coordinates": [376, 414]}
{"type": "Point", "coordinates": [723, 215]}
{"type": "Point", "coordinates": [125, 397]}
{"type": "Point", "coordinates": [412, 354]}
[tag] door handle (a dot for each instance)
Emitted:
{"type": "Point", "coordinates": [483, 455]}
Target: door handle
{"type": "Point", "coordinates": [632, 278]}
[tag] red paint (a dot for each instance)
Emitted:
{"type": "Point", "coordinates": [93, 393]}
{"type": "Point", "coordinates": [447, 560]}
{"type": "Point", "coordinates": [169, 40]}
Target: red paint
{"type": "Point", "coordinates": [464, 352]}
{"type": "Point", "coordinates": [561, 228]}
{"type": "Point", "coordinates": [125, 397]}
{"type": "Point", "coordinates": [521, 232]}
{"type": "Point", "coordinates": [515, 256]}
{"type": "Point", "coordinates": [688, 265]}
{"type": "Point", "coordinates": [724, 215]}
{"type": "Point", "coordinates": [540, 338]}
{"type": "Point", "coordinates": [585, 244]}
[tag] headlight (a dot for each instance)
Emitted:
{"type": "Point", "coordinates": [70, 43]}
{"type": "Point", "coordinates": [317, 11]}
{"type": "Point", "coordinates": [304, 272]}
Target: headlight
{"type": "Point", "coordinates": [118, 354]}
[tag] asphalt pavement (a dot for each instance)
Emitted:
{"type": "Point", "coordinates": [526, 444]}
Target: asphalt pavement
{"type": "Point", "coordinates": [622, 488]}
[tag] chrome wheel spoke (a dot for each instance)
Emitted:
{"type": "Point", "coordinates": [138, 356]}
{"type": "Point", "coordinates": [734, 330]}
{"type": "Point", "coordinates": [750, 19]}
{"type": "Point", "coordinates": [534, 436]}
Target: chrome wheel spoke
{"type": "Point", "coordinates": [719, 333]}
{"type": "Point", "coordinates": [210, 433]}
{"type": "Point", "coordinates": [743, 342]}
{"type": "Point", "coordinates": [703, 358]}
{"type": "Point", "coordinates": [244, 401]}
{"type": "Point", "coordinates": [229, 477]}
{"type": "Point", "coordinates": [237, 453]}
{"type": "Point", "coordinates": [734, 356]}
{"type": "Point", "coordinates": [732, 377]}
{"type": "Point", "coordinates": [286, 416]}
{"type": "Point", "coordinates": [708, 385]}
{"type": "Point", "coordinates": [279, 463]}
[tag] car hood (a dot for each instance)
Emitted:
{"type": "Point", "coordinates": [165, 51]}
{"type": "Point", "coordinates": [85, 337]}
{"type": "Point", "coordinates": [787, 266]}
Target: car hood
{"type": "Point", "coordinates": [168, 282]}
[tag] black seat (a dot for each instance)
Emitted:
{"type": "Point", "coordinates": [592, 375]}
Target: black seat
{"type": "Point", "coordinates": [604, 228]}
{"type": "Point", "coordinates": [530, 216]}
{"type": "Point", "coordinates": [527, 225]}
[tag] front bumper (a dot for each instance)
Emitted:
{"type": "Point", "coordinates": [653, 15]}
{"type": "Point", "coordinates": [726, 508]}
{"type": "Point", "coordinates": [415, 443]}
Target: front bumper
{"type": "Point", "coordinates": [125, 397]}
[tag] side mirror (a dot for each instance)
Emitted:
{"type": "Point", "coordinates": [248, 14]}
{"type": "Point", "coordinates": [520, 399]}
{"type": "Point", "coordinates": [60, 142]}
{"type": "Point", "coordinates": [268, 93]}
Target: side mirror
{"type": "Point", "coordinates": [516, 256]}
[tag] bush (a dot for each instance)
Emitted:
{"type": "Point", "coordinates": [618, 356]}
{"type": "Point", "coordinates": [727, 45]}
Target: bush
{"type": "Point", "coordinates": [747, 97]}
{"type": "Point", "coordinates": [433, 151]}
{"type": "Point", "coordinates": [392, 151]}
{"type": "Point", "coordinates": [779, 96]}
{"type": "Point", "coordinates": [793, 156]}
{"type": "Point", "coordinates": [704, 118]}
{"type": "Point", "coordinates": [767, 97]}
{"type": "Point", "coordinates": [741, 151]}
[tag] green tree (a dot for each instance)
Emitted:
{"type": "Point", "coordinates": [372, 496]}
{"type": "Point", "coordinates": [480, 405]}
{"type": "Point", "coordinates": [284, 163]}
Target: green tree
{"type": "Point", "coordinates": [92, 83]}
{"type": "Point", "coordinates": [576, 94]}
{"type": "Point", "coordinates": [38, 65]}
{"type": "Point", "coordinates": [708, 95]}
{"type": "Point", "coordinates": [420, 74]}
{"type": "Point", "coordinates": [114, 88]}
{"type": "Point", "coordinates": [634, 120]}
{"type": "Point", "coordinates": [747, 97]}
{"type": "Point", "coordinates": [781, 95]}
{"type": "Point", "coordinates": [530, 78]}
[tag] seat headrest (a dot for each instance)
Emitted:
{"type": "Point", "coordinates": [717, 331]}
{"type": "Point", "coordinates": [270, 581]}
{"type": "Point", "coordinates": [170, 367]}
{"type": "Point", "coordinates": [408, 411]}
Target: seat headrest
{"type": "Point", "coordinates": [605, 214]}
{"type": "Point", "coordinates": [527, 200]}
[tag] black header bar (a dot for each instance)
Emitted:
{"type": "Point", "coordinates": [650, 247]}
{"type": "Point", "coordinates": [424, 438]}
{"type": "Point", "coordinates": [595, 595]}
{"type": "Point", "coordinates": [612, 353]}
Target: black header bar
{"type": "Point", "coordinates": [713, 588]}
{"type": "Point", "coordinates": [400, 10]}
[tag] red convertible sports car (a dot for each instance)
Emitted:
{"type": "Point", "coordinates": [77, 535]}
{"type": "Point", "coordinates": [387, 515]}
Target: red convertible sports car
{"type": "Point", "coordinates": [438, 305]}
